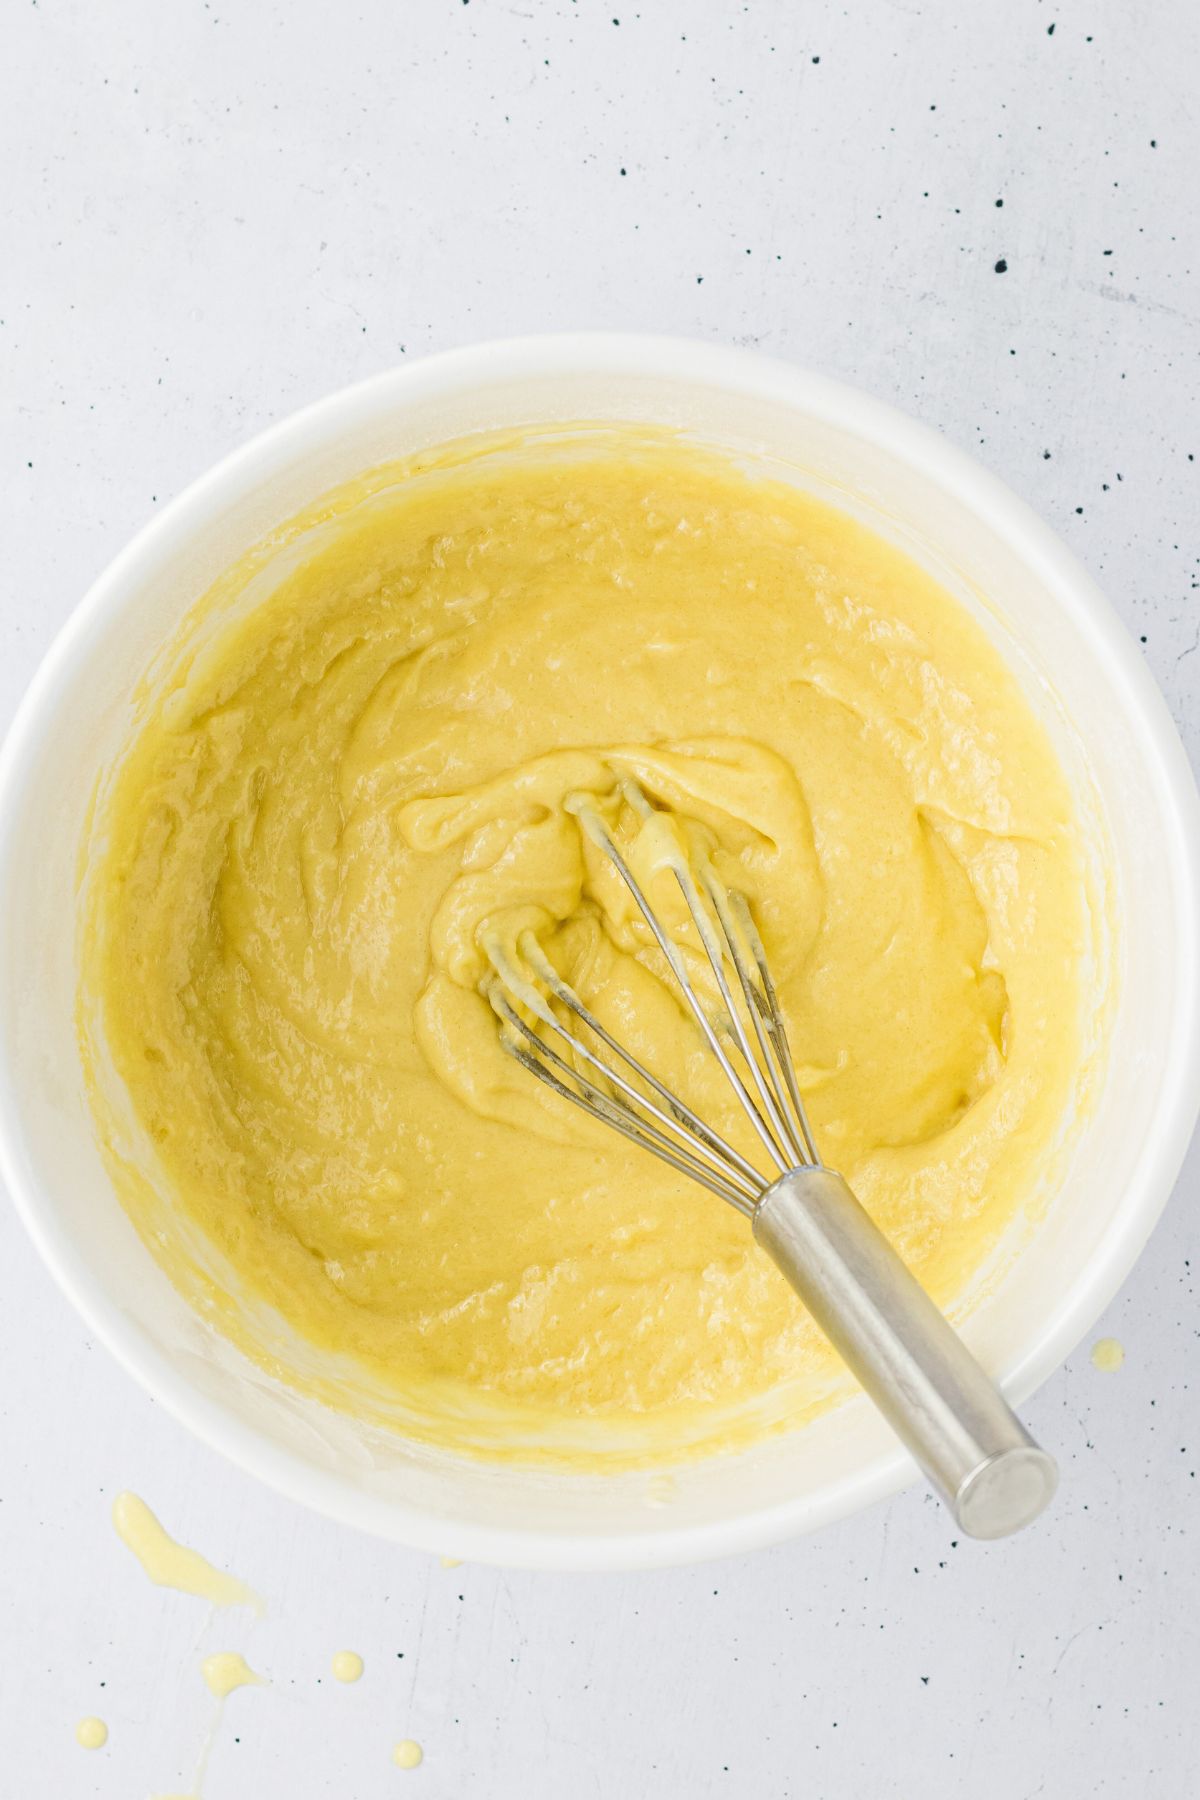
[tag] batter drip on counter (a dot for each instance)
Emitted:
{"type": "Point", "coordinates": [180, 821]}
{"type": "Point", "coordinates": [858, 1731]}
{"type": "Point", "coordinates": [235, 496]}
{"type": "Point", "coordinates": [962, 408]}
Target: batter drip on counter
{"type": "Point", "coordinates": [348, 776]}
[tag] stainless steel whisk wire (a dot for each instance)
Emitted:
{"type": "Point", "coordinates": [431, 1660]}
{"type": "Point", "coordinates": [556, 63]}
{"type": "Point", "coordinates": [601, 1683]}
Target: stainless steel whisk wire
{"type": "Point", "coordinates": [894, 1339]}
{"type": "Point", "coordinates": [705, 1154]}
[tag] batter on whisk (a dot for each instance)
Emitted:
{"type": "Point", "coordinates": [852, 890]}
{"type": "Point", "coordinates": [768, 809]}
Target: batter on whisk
{"type": "Point", "coordinates": [350, 776]}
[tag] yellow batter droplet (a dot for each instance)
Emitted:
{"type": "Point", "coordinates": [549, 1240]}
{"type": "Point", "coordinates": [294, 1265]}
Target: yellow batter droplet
{"type": "Point", "coordinates": [452, 1562]}
{"type": "Point", "coordinates": [1108, 1355]}
{"type": "Point", "coordinates": [173, 1565]}
{"type": "Point", "coordinates": [92, 1733]}
{"type": "Point", "coordinates": [347, 1665]}
{"type": "Point", "coordinates": [226, 1670]}
{"type": "Point", "coordinates": [408, 1754]}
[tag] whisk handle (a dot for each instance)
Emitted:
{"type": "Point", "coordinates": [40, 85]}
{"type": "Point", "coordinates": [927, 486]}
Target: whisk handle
{"type": "Point", "coordinates": [916, 1369]}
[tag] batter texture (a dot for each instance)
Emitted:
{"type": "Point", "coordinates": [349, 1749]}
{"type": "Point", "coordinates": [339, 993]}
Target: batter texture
{"type": "Point", "coordinates": [348, 776]}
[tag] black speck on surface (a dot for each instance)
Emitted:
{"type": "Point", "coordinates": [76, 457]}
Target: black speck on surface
{"type": "Point", "coordinates": [1045, 456]}
{"type": "Point", "coordinates": [1079, 509]}
{"type": "Point", "coordinates": [816, 59]}
{"type": "Point", "coordinates": [1002, 267]}
{"type": "Point", "coordinates": [1154, 143]}
{"type": "Point", "coordinates": [1049, 31]}
{"type": "Point", "coordinates": [999, 203]}
{"type": "Point", "coordinates": [623, 171]}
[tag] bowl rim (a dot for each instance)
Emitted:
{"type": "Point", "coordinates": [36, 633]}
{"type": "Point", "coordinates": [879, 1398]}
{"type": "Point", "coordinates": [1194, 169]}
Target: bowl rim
{"type": "Point", "coordinates": [753, 375]}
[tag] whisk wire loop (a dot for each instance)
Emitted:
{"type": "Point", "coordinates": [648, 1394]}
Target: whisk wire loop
{"type": "Point", "coordinates": [763, 1005]}
{"type": "Point", "coordinates": [682, 1115]}
{"type": "Point", "coordinates": [598, 831]}
{"type": "Point", "coordinates": [617, 1088]}
{"type": "Point", "coordinates": [593, 1100]}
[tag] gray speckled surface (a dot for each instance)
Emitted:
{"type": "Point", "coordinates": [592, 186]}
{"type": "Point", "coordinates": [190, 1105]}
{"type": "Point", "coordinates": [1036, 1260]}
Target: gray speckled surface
{"type": "Point", "coordinates": [214, 213]}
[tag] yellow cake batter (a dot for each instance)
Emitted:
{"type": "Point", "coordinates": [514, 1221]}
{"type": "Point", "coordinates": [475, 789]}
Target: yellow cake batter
{"type": "Point", "coordinates": [349, 772]}
{"type": "Point", "coordinates": [226, 1670]}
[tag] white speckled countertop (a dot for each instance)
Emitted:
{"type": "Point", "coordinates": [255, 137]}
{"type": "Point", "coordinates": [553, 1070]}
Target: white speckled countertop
{"type": "Point", "coordinates": [985, 214]}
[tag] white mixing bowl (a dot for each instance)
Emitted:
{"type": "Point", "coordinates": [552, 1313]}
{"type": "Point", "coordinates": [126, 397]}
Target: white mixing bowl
{"type": "Point", "coordinates": [1081, 672]}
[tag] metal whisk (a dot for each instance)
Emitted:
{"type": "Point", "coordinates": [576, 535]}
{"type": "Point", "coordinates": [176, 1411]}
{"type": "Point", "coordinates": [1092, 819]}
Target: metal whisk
{"type": "Point", "coordinates": [918, 1372]}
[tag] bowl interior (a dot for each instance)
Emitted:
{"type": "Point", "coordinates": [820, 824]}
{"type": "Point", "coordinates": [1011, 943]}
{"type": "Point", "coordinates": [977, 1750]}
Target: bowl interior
{"type": "Point", "coordinates": [1107, 721]}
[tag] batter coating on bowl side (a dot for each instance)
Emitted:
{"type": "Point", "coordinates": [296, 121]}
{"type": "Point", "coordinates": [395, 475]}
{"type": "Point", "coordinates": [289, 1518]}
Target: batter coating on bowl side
{"type": "Point", "coordinates": [350, 769]}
